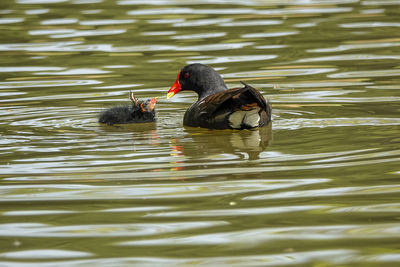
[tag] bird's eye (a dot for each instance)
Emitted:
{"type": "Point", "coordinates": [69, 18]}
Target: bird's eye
{"type": "Point", "coordinates": [186, 75]}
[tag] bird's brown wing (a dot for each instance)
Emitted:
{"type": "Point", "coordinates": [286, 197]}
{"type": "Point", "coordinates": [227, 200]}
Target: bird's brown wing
{"type": "Point", "coordinates": [244, 98]}
{"type": "Point", "coordinates": [257, 95]}
{"type": "Point", "coordinates": [214, 110]}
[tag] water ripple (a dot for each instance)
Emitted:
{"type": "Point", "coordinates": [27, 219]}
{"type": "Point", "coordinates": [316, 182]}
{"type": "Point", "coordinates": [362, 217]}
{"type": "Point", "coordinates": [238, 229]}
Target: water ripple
{"type": "Point", "coordinates": [357, 46]}
{"type": "Point", "coordinates": [235, 212]}
{"type": "Point", "coordinates": [219, 59]}
{"type": "Point", "coordinates": [267, 235]}
{"type": "Point", "coordinates": [11, 20]}
{"type": "Point", "coordinates": [105, 230]}
{"type": "Point", "coordinates": [29, 69]}
{"type": "Point", "coordinates": [245, 23]}
{"type": "Point", "coordinates": [334, 191]}
{"type": "Point", "coordinates": [49, 46]}
{"type": "Point", "coordinates": [45, 254]}
{"type": "Point", "coordinates": [369, 24]}
{"type": "Point", "coordinates": [279, 72]}
{"type": "Point", "coordinates": [59, 21]}
{"type": "Point", "coordinates": [31, 2]}
{"type": "Point", "coordinates": [268, 34]}
{"type": "Point", "coordinates": [201, 22]}
{"type": "Point", "coordinates": [81, 33]}
{"type": "Point", "coordinates": [350, 57]}
{"type": "Point", "coordinates": [171, 190]}
{"type": "Point", "coordinates": [37, 11]}
{"type": "Point", "coordinates": [27, 84]}
{"type": "Point", "coordinates": [366, 73]}
{"type": "Point", "coordinates": [199, 36]}
{"type": "Point", "coordinates": [107, 22]}
{"type": "Point", "coordinates": [214, 47]}
{"type": "Point", "coordinates": [81, 71]}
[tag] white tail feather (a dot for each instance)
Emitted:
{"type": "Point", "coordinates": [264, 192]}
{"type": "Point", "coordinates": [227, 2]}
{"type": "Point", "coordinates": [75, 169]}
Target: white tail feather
{"type": "Point", "coordinates": [251, 118]}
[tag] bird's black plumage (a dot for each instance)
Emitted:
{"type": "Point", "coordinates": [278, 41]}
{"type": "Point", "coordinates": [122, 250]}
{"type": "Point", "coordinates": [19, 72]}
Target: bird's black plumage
{"type": "Point", "coordinates": [217, 106]}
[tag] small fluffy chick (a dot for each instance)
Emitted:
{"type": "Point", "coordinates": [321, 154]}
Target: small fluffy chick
{"type": "Point", "coordinates": [137, 112]}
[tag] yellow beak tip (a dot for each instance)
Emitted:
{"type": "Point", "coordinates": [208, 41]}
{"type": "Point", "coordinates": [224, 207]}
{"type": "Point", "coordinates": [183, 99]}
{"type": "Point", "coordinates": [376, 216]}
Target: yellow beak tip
{"type": "Point", "coordinates": [169, 95]}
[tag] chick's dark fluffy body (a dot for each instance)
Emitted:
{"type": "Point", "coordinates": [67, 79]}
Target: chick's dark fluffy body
{"type": "Point", "coordinates": [122, 114]}
{"type": "Point", "coordinates": [137, 112]}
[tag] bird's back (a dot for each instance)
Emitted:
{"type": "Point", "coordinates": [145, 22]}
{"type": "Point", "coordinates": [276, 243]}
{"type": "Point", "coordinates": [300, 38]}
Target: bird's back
{"type": "Point", "coordinates": [237, 108]}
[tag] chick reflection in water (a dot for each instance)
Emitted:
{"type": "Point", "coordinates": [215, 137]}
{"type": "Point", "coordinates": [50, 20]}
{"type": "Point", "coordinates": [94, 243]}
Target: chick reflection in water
{"type": "Point", "coordinates": [205, 142]}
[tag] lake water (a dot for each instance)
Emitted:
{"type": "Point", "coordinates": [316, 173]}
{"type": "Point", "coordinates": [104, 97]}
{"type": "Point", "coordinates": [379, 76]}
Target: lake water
{"type": "Point", "coordinates": [320, 187]}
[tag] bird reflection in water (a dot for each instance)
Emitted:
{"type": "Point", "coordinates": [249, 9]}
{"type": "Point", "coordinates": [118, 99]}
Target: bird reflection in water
{"type": "Point", "coordinates": [148, 137]}
{"type": "Point", "coordinates": [177, 152]}
{"type": "Point", "coordinates": [243, 143]}
{"type": "Point", "coordinates": [199, 143]}
{"type": "Point", "coordinates": [142, 133]}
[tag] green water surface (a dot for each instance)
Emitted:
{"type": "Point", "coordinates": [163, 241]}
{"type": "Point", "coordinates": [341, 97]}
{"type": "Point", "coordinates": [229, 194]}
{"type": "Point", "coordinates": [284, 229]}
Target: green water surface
{"type": "Point", "coordinates": [318, 187]}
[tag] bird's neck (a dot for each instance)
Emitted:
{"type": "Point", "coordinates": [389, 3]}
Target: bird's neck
{"type": "Point", "coordinates": [210, 90]}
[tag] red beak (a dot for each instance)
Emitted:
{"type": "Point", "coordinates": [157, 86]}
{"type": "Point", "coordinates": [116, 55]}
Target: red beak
{"type": "Point", "coordinates": [175, 88]}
